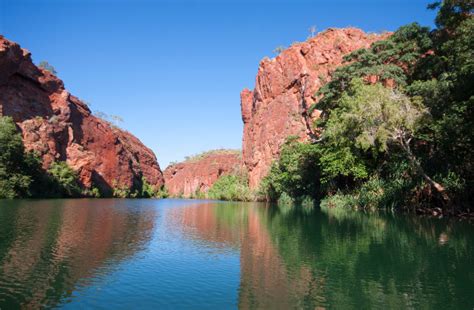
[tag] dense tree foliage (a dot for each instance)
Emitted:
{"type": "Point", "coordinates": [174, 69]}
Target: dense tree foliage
{"type": "Point", "coordinates": [295, 174]}
{"type": "Point", "coordinates": [14, 163]}
{"type": "Point", "coordinates": [64, 180]}
{"type": "Point", "coordinates": [397, 121]}
{"type": "Point", "coordinates": [233, 187]}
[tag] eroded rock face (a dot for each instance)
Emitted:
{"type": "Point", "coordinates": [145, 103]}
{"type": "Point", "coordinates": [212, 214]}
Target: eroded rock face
{"type": "Point", "coordinates": [199, 174]}
{"type": "Point", "coordinates": [59, 126]}
{"type": "Point", "coordinates": [285, 88]}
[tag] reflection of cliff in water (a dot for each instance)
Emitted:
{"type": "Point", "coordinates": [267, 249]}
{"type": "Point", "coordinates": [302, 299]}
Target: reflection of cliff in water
{"type": "Point", "coordinates": [328, 258]}
{"type": "Point", "coordinates": [48, 248]}
{"type": "Point", "coordinates": [199, 222]}
{"type": "Point", "coordinates": [266, 281]}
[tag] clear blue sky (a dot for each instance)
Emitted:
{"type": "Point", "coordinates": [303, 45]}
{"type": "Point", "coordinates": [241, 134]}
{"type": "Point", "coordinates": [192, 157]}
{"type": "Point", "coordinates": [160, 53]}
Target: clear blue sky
{"type": "Point", "coordinates": [174, 69]}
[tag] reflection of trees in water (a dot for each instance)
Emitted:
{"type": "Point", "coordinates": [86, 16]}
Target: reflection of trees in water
{"type": "Point", "coordinates": [300, 258]}
{"type": "Point", "coordinates": [48, 246]}
{"type": "Point", "coordinates": [379, 260]}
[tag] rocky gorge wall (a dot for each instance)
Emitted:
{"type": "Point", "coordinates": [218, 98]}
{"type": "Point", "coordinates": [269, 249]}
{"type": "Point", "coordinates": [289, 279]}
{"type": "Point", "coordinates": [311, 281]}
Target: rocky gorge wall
{"type": "Point", "coordinates": [198, 174]}
{"type": "Point", "coordinates": [60, 127]}
{"type": "Point", "coordinates": [285, 89]}
{"type": "Point", "coordinates": [277, 108]}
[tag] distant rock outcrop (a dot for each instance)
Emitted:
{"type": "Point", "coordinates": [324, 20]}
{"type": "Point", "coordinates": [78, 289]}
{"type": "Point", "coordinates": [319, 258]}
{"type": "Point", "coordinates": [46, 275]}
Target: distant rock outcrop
{"type": "Point", "coordinates": [60, 127]}
{"type": "Point", "coordinates": [199, 173]}
{"type": "Point", "coordinates": [285, 89]}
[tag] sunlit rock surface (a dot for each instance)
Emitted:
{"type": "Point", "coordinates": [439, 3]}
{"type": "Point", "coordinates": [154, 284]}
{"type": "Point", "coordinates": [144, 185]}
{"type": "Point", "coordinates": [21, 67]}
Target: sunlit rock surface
{"type": "Point", "coordinates": [60, 127]}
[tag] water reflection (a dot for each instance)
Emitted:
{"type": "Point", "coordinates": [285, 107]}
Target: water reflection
{"type": "Point", "coordinates": [307, 259]}
{"type": "Point", "coordinates": [186, 254]}
{"type": "Point", "coordinates": [46, 247]}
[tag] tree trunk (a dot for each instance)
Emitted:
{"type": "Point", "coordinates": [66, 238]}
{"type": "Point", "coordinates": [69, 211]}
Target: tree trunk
{"type": "Point", "coordinates": [440, 189]}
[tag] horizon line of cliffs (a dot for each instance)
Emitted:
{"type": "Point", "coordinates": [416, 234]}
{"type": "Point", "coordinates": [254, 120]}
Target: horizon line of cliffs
{"type": "Point", "coordinates": [196, 175]}
{"type": "Point", "coordinates": [60, 127]}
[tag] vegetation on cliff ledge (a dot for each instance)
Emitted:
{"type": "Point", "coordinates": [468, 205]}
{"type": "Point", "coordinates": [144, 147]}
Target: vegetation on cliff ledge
{"type": "Point", "coordinates": [396, 124]}
{"type": "Point", "coordinates": [200, 156]}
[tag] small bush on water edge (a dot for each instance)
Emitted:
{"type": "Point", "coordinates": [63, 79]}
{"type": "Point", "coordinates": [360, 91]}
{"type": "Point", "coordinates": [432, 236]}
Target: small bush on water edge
{"type": "Point", "coordinates": [93, 192]}
{"type": "Point", "coordinates": [122, 192]}
{"type": "Point", "coordinates": [198, 195]}
{"type": "Point", "coordinates": [65, 179]}
{"type": "Point", "coordinates": [285, 200]}
{"type": "Point", "coordinates": [146, 190]}
{"type": "Point", "coordinates": [339, 200]}
{"type": "Point", "coordinates": [307, 202]}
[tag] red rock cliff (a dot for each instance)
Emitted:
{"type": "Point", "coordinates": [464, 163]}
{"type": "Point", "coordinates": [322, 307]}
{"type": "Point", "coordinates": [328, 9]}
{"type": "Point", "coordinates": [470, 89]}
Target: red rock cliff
{"type": "Point", "coordinates": [198, 174]}
{"type": "Point", "coordinates": [59, 126]}
{"type": "Point", "coordinates": [285, 88]}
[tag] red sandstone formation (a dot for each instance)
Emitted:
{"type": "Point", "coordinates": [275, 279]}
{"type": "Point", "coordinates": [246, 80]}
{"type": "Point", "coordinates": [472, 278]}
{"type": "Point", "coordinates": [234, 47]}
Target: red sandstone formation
{"type": "Point", "coordinates": [198, 174]}
{"type": "Point", "coordinates": [284, 90]}
{"type": "Point", "coordinates": [59, 126]}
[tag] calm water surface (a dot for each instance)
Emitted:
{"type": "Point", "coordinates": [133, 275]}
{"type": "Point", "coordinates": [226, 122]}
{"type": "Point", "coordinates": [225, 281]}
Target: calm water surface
{"type": "Point", "coordinates": [149, 254]}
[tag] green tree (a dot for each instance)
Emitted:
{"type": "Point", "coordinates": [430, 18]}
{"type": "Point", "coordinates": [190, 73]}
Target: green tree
{"type": "Point", "coordinates": [46, 66]}
{"type": "Point", "coordinates": [452, 13]}
{"type": "Point", "coordinates": [65, 179]}
{"type": "Point", "coordinates": [379, 119]}
{"type": "Point", "coordinates": [14, 182]}
{"type": "Point", "coordinates": [296, 173]}
{"type": "Point", "coordinates": [279, 49]}
{"type": "Point", "coordinates": [392, 60]}
{"type": "Point", "coordinates": [312, 31]}
{"type": "Point", "coordinates": [231, 187]}
{"type": "Point", "coordinates": [431, 69]}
